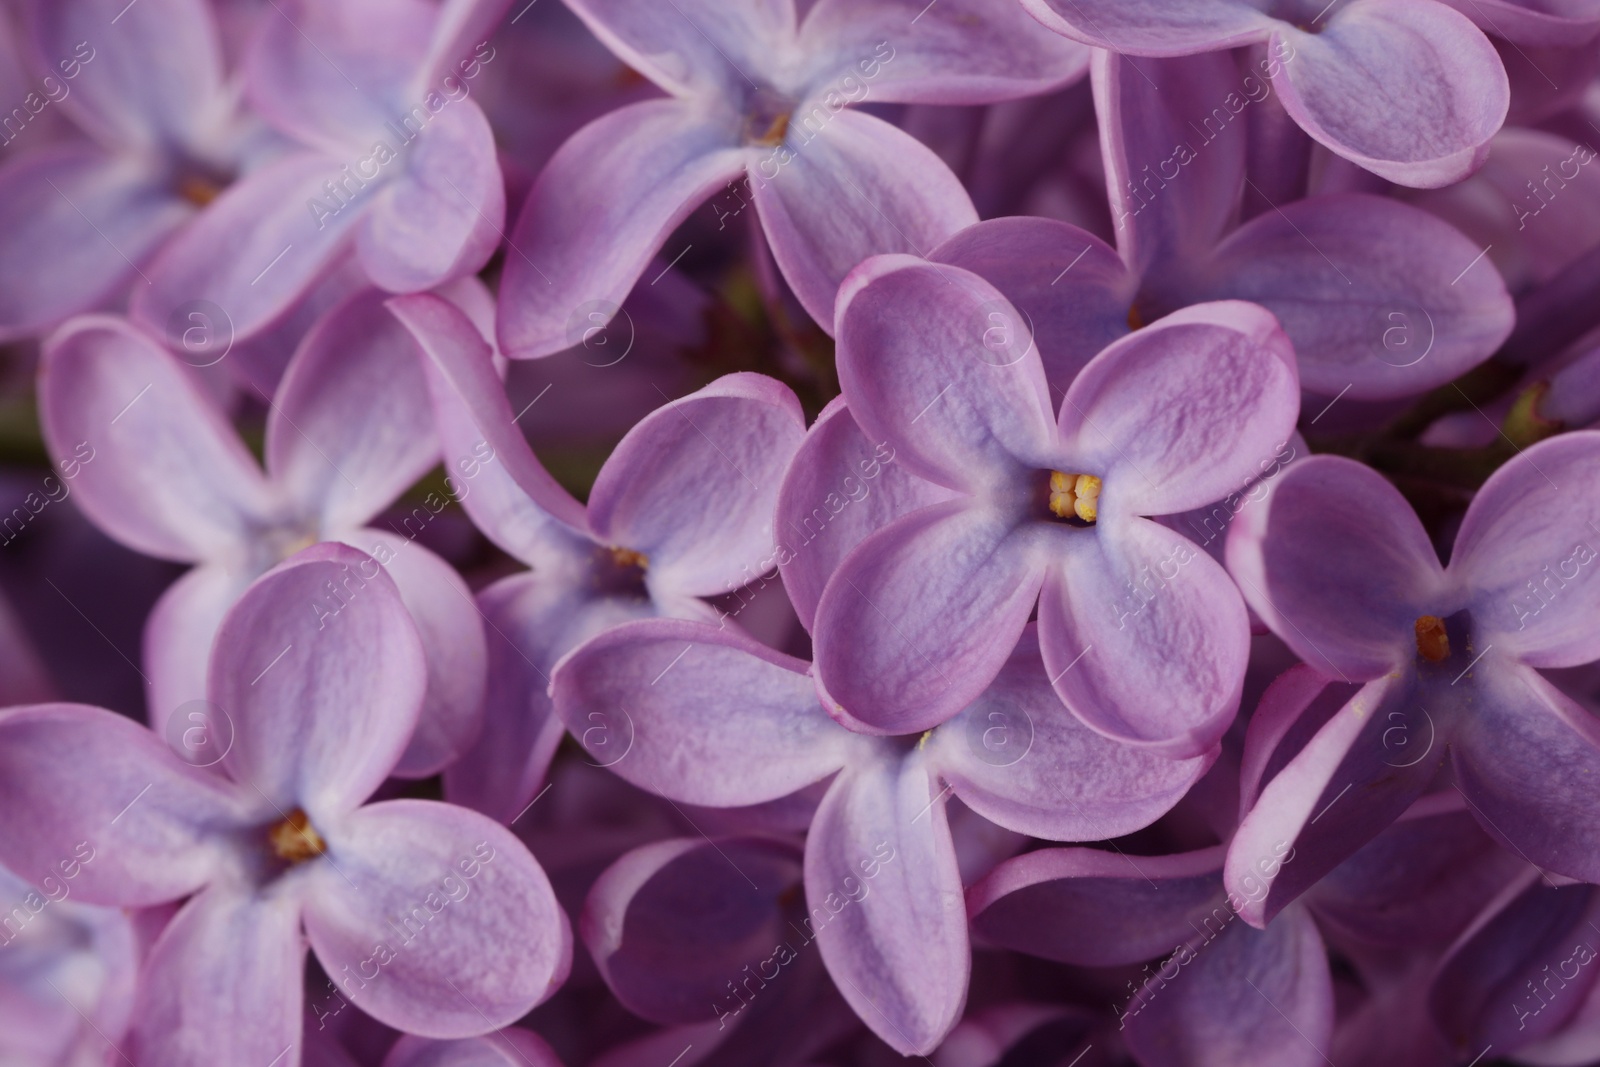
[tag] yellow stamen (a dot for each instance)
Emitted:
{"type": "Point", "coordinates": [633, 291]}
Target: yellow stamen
{"type": "Point", "coordinates": [1433, 644]}
{"type": "Point", "coordinates": [1074, 496]}
{"type": "Point", "coordinates": [775, 132]}
{"type": "Point", "coordinates": [627, 557]}
{"type": "Point", "coordinates": [922, 742]}
{"type": "Point", "coordinates": [295, 839]}
{"type": "Point", "coordinates": [197, 190]}
{"type": "Point", "coordinates": [1135, 320]}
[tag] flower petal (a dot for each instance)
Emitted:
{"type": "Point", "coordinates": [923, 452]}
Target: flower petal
{"type": "Point", "coordinates": [450, 912]}
{"type": "Point", "coordinates": [1337, 563]}
{"type": "Point", "coordinates": [670, 923]}
{"type": "Point", "coordinates": [603, 205]}
{"type": "Point", "coordinates": [1020, 759]}
{"type": "Point", "coordinates": [698, 714]}
{"type": "Point", "coordinates": [1356, 776]}
{"type": "Point", "coordinates": [157, 465]}
{"type": "Point", "coordinates": [1097, 908]}
{"type": "Point", "coordinates": [351, 426]}
{"type": "Point", "coordinates": [921, 616]}
{"type": "Point", "coordinates": [885, 901]}
{"type": "Point", "coordinates": [254, 252]}
{"type": "Point", "coordinates": [320, 670]}
{"type": "Point", "coordinates": [693, 486]}
{"type": "Point", "coordinates": [965, 52]}
{"type": "Point", "coordinates": [1528, 547]}
{"type": "Point", "coordinates": [1369, 290]}
{"type": "Point", "coordinates": [844, 186]}
{"type": "Point", "coordinates": [697, 47]}
{"type": "Point", "coordinates": [505, 1048]}
{"type": "Point", "coordinates": [96, 797]}
{"type": "Point", "coordinates": [839, 488]}
{"type": "Point", "coordinates": [935, 361]}
{"type": "Point", "coordinates": [1440, 89]}
{"type": "Point", "coordinates": [443, 216]}
{"type": "Point", "coordinates": [74, 226]}
{"type": "Point", "coordinates": [1184, 411]}
{"type": "Point", "coordinates": [1144, 636]}
{"type": "Point", "coordinates": [225, 983]}
{"type": "Point", "coordinates": [1154, 27]}
{"type": "Point", "coordinates": [1525, 757]}
{"type": "Point", "coordinates": [502, 485]}
{"type": "Point", "coordinates": [178, 636]}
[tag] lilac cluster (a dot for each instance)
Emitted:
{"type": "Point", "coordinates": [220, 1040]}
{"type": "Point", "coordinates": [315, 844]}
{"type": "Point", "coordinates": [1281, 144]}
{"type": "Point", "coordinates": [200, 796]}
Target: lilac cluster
{"type": "Point", "coordinates": [809, 533]}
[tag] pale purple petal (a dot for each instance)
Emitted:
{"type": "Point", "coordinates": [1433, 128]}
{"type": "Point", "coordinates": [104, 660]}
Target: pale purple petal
{"type": "Point", "coordinates": [320, 671]}
{"type": "Point", "coordinates": [621, 184]}
{"type": "Point", "coordinates": [885, 902]}
{"type": "Point", "coordinates": [461, 27]}
{"type": "Point", "coordinates": [504, 1048]}
{"type": "Point", "coordinates": [692, 46]}
{"type": "Point", "coordinates": [177, 645]}
{"type": "Point", "coordinates": [844, 186]}
{"type": "Point", "coordinates": [448, 924]}
{"type": "Point", "coordinates": [1560, 25]}
{"type": "Point", "coordinates": [1155, 27]}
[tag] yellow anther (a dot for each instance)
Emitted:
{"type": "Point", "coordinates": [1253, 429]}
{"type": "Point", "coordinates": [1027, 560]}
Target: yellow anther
{"type": "Point", "coordinates": [295, 839]}
{"type": "Point", "coordinates": [775, 132]}
{"type": "Point", "coordinates": [1433, 644]}
{"type": "Point", "coordinates": [1074, 496]}
{"type": "Point", "coordinates": [1135, 320]}
{"type": "Point", "coordinates": [197, 190]}
{"type": "Point", "coordinates": [627, 557]}
{"type": "Point", "coordinates": [1087, 490]}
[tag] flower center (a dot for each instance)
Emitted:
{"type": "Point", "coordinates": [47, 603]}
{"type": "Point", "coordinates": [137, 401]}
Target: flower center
{"type": "Point", "coordinates": [295, 840]}
{"type": "Point", "coordinates": [766, 118]}
{"type": "Point", "coordinates": [198, 190]}
{"type": "Point", "coordinates": [1433, 643]}
{"type": "Point", "coordinates": [618, 571]}
{"type": "Point", "coordinates": [1074, 496]}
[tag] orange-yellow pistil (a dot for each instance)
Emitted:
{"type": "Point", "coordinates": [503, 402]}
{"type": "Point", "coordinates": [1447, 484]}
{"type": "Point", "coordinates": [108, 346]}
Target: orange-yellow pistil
{"type": "Point", "coordinates": [1433, 644]}
{"type": "Point", "coordinates": [295, 839]}
{"type": "Point", "coordinates": [197, 190]}
{"type": "Point", "coordinates": [627, 557]}
{"type": "Point", "coordinates": [776, 132]}
{"type": "Point", "coordinates": [1074, 496]}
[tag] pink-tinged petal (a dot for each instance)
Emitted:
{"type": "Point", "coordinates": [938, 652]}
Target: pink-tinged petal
{"type": "Point", "coordinates": [1184, 411]}
{"type": "Point", "coordinates": [1358, 774]}
{"type": "Point", "coordinates": [1099, 908]}
{"type": "Point", "coordinates": [934, 360]}
{"type": "Point", "coordinates": [1442, 89]}
{"type": "Point", "coordinates": [693, 46]}
{"type": "Point", "coordinates": [1338, 565]}
{"type": "Point", "coordinates": [1526, 758]}
{"type": "Point", "coordinates": [254, 252]}
{"type": "Point", "coordinates": [1561, 25]}
{"type": "Point", "coordinates": [157, 465]}
{"type": "Point", "coordinates": [602, 207]}
{"type": "Point", "coordinates": [351, 426]}
{"type": "Point", "coordinates": [75, 225]}
{"type": "Point", "coordinates": [321, 673]}
{"type": "Point", "coordinates": [97, 798]}
{"type": "Point", "coordinates": [150, 75]}
{"type": "Point", "coordinates": [461, 27]}
{"type": "Point", "coordinates": [1370, 291]}
{"type": "Point", "coordinates": [921, 616]}
{"type": "Point", "coordinates": [671, 923]}
{"type": "Point", "coordinates": [844, 186]}
{"type": "Point", "coordinates": [504, 1048]}
{"type": "Point", "coordinates": [177, 645]}
{"type": "Point", "coordinates": [1155, 27]}
{"type": "Point", "coordinates": [331, 75]}
{"type": "Point", "coordinates": [225, 983]}
{"type": "Point", "coordinates": [885, 902]}
{"type": "Point", "coordinates": [454, 650]}
{"type": "Point", "coordinates": [839, 488]}
{"type": "Point", "coordinates": [1020, 759]}
{"type": "Point", "coordinates": [1525, 962]}
{"type": "Point", "coordinates": [1243, 996]}
{"type": "Point", "coordinates": [1170, 114]}
{"type": "Point", "coordinates": [714, 717]}
{"type": "Point", "coordinates": [1528, 550]}
{"type": "Point", "coordinates": [1071, 288]}
{"type": "Point", "coordinates": [450, 911]}
{"type": "Point", "coordinates": [1144, 636]}
{"type": "Point", "coordinates": [966, 52]}
{"type": "Point", "coordinates": [497, 478]}
{"type": "Point", "coordinates": [444, 215]}
{"type": "Point", "coordinates": [694, 485]}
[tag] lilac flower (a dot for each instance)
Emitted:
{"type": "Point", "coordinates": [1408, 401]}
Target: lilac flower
{"type": "Point", "coordinates": [761, 90]}
{"type": "Point", "coordinates": [1408, 89]}
{"type": "Point", "coordinates": [1379, 299]}
{"type": "Point", "coordinates": [431, 918]}
{"type": "Point", "coordinates": [1446, 658]}
{"type": "Point", "coordinates": [681, 512]}
{"type": "Point", "coordinates": [350, 429]}
{"type": "Point", "coordinates": [711, 717]}
{"type": "Point", "coordinates": [80, 219]}
{"type": "Point", "coordinates": [504, 1048]}
{"type": "Point", "coordinates": [399, 163]}
{"type": "Point", "coordinates": [1142, 632]}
